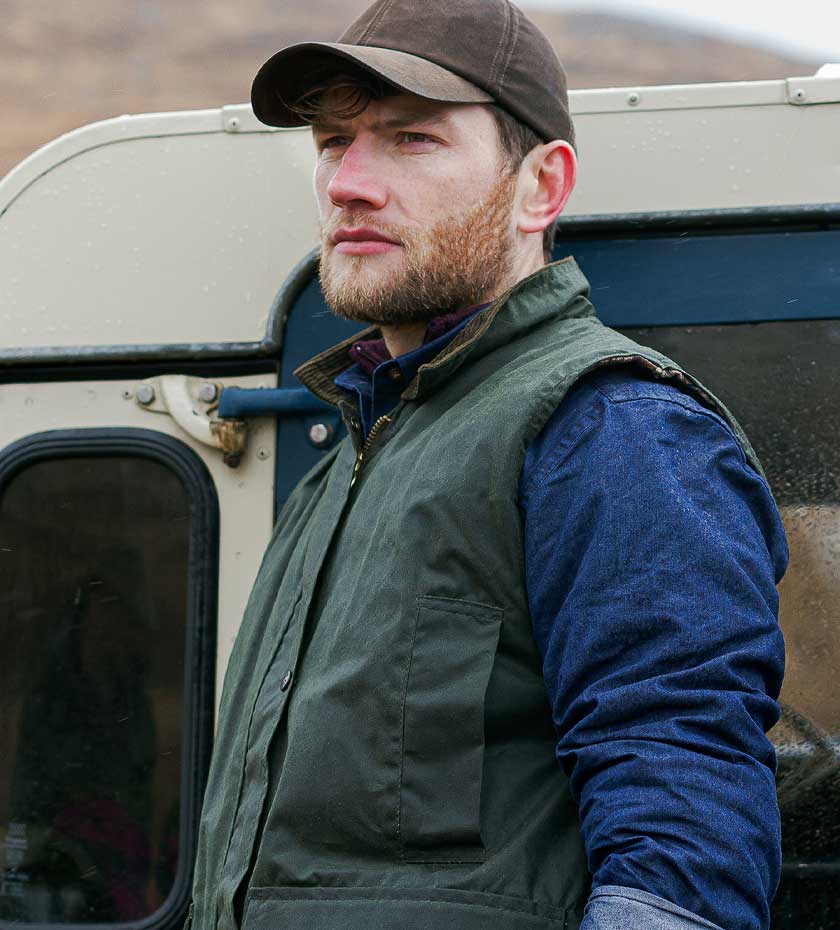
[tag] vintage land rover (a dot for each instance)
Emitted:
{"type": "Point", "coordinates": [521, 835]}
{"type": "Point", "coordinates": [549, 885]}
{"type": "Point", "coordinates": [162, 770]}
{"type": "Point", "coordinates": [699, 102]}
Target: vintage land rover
{"type": "Point", "coordinates": [158, 286]}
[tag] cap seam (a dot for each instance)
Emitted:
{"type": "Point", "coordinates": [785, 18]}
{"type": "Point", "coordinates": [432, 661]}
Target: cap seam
{"type": "Point", "coordinates": [500, 46]}
{"type": "Point", "coordinates": [374, 23]}
{"type": "Point", "coordinates": [511, 45]}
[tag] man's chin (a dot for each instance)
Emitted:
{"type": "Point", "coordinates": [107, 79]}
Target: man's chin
{"type": "Point", "coordinates": [362, 273]}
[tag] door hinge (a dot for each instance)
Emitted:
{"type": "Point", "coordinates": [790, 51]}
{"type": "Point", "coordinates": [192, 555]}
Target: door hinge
{"type": "Point", "coordinates": [193, 404]}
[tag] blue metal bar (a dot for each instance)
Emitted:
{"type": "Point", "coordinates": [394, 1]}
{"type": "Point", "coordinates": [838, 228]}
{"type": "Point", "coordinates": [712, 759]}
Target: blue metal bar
{"type": "Point", "coordinates": [280, 402]}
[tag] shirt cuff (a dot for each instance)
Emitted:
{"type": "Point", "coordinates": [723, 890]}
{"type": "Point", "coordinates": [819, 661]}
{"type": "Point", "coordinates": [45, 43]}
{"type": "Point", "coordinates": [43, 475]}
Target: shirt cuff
{"type": "Point", "coordinates": [615, 907]}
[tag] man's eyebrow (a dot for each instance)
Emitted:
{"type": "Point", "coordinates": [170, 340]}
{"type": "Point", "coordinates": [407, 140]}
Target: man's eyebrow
{"type": "Point", "coordinates": [410, 118]}
{"type": "Point", "coordinates": [327, 125]}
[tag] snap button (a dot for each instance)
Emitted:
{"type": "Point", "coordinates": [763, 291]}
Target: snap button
{"type": "Point", "coordinates": [394, 373]}
{"type": "Point", "coordinates": [287, 680]}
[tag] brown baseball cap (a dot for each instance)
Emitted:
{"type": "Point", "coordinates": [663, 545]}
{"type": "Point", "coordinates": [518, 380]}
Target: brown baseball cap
{"type": "Point", "coordinates": [460, 51]}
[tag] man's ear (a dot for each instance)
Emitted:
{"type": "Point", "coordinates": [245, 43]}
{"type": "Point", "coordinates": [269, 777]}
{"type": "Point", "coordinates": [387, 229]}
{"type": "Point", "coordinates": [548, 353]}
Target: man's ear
{"type": "Point", "coordinates": [547, 179]}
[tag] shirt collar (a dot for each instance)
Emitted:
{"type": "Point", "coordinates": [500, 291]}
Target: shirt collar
{"type": "Point", "coordinates": [369, 354]}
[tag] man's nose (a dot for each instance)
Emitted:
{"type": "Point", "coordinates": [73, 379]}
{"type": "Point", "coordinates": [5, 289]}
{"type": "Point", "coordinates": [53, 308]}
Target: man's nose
{"type": "Point", "coordinates": [357, 182]}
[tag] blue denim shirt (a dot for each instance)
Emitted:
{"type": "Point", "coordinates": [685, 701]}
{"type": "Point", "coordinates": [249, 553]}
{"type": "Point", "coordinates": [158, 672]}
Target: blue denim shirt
{"type": "Point", "coordinates": [652, 550]}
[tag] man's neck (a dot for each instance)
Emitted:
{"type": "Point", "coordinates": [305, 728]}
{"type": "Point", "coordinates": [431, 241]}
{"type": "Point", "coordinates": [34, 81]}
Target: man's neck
{"type": "Point", "coordinates": [403, 337]}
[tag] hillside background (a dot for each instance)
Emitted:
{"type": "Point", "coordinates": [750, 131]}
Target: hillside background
{"type": "Point", "coordinates": [66, 64]}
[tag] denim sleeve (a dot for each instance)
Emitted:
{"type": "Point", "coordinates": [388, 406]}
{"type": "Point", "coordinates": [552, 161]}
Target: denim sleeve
{"type": "Point", "coordinates": [652, 551]}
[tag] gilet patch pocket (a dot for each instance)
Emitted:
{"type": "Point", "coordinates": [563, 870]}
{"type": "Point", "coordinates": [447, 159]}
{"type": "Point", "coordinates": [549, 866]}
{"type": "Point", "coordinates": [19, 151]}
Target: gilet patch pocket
{"type": "Point", "coordinates": [446, 680]}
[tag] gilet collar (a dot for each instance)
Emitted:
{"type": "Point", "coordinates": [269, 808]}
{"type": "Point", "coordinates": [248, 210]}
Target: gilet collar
{"type": "Point", "coordinates": [557, 290]}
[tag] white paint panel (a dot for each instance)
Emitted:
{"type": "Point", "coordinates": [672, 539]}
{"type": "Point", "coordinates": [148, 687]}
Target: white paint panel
{"type": "Point", "coordinates": [636, 161]}
{"type": "Point", "coordinates": [166, 238]}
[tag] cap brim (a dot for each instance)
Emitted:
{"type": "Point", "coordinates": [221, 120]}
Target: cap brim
{"type": "Point", "coordinates": [286, 76]}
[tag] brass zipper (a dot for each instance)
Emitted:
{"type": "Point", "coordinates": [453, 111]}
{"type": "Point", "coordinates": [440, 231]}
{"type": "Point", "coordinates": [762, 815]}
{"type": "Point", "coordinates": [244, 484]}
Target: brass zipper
{"type": "Point", "coordinates": [380, 423]}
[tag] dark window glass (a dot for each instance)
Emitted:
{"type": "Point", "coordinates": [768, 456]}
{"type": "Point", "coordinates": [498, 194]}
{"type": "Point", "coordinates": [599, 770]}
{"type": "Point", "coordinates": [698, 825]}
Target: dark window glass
{"type": "Point", "coordinates": [94, 559]}
{"type": "Point", "coordinates": [780, 381]}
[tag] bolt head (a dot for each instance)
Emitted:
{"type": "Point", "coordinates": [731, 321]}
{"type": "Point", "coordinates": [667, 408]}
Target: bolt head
{"type": "Point", "coordinates": [207, 392]}
{"type": "Point", "coordinates": [633, 99]}
{"type": "Point", "coordinates": [320, 434]}
{"type": "Point", "coordinates": [145, 394]}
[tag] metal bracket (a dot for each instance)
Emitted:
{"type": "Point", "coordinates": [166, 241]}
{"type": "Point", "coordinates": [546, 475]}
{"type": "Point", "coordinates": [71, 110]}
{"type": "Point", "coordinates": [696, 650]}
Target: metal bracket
{"type": "Point", "coordinates": [192, 402]}
{"type": "Point", "coordinates": [823, 87]}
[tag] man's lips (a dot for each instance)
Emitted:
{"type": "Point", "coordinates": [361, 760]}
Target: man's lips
{"type": "Point", "coordinates": [362, 241]}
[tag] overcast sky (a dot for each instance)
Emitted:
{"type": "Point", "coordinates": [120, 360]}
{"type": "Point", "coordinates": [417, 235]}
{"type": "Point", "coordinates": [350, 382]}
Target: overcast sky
{"type": "Point", "coordinates": [809, 26]}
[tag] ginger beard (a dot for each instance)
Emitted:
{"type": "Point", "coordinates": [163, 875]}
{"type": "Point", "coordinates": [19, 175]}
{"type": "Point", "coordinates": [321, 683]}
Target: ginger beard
{"type": "Point", "coordinates": [457, 263]}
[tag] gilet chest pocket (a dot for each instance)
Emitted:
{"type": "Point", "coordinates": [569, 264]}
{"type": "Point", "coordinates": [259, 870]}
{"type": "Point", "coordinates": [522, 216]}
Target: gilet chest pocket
{"type": "Point", "coordinates": [443, 730]}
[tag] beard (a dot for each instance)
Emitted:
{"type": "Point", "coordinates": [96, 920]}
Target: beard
{"type": "Point", "coordinates": [459, 262]}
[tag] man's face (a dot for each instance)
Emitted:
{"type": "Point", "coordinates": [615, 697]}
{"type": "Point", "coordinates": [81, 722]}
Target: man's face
{"type": "Point", "coordinates": [415, 207]}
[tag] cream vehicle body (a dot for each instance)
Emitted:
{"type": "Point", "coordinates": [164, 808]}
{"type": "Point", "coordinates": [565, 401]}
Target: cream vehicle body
{"type": "Point", "coordinates": [151, 264]}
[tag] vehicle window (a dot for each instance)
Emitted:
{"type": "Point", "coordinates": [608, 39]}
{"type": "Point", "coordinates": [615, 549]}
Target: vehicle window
{"type": "Point", "coordinates": [779, 379]}
{"type": "Point", "coordinates": [95, 592]}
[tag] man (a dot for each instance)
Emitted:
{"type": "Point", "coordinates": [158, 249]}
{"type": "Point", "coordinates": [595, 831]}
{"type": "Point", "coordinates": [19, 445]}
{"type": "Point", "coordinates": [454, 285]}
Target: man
{"type": "Point", "coordinates": [512, 653]}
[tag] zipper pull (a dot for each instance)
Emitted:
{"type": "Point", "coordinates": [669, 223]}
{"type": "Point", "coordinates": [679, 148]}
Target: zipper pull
{"type": "Point", "coordinates": [375, 429]}
{"type": "Point", "coordinates": [356, 468]}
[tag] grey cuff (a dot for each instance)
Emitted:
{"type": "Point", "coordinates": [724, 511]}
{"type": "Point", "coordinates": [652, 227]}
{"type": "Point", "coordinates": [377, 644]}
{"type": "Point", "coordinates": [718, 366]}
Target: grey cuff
{"type": "Point", "coordinates": [616, 907]}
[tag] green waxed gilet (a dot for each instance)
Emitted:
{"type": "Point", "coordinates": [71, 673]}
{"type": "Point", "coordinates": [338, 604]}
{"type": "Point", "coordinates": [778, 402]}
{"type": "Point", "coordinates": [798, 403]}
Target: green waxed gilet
{"type": "Point", "coordinates": [385, 754]}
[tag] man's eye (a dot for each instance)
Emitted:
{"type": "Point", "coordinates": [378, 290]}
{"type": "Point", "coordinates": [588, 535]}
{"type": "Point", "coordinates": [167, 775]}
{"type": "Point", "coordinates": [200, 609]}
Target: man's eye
{"type": "Point", "coordinates": [415, 137]}
{"type": "Point", "coordinates": [334, 141]}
